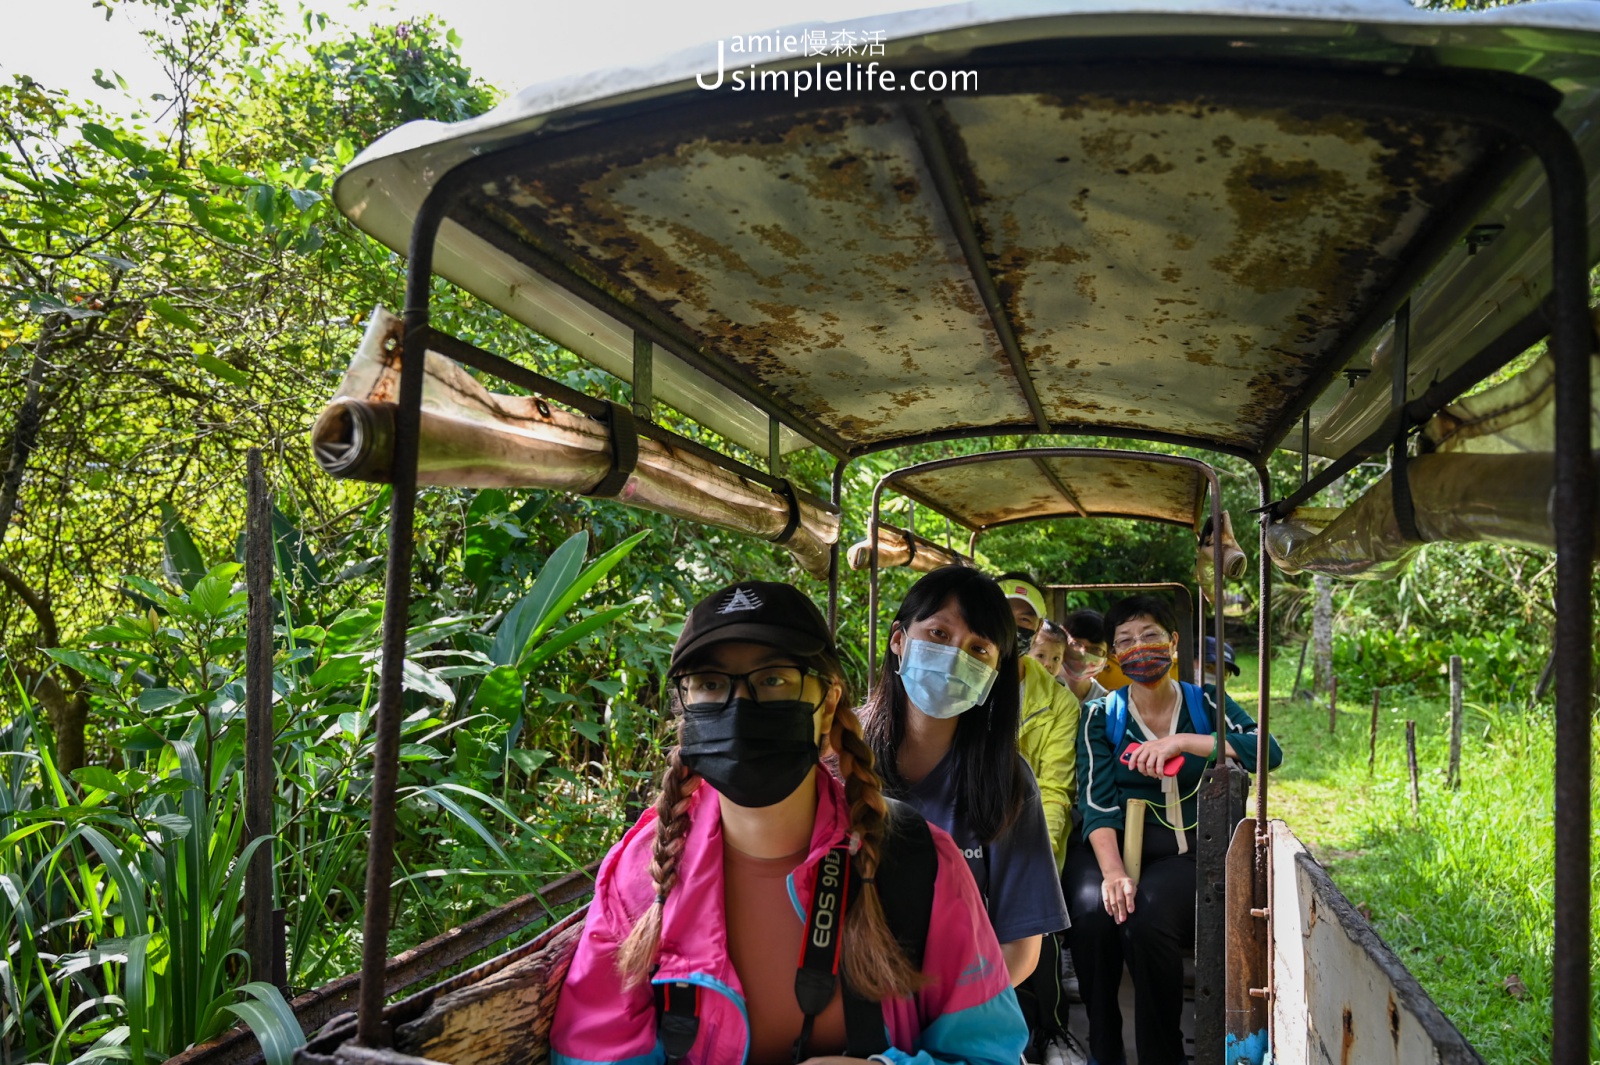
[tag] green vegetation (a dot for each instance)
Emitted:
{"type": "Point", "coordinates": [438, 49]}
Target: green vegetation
{"type": "Point", "coordinates": [1462, 892]}
{"type": "Point", "coordinates": [178, 288]}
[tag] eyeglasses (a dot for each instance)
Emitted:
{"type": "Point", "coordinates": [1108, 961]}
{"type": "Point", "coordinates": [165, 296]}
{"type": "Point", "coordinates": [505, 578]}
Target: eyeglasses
{"type": "Point", "coordinates": [1149, 635]}
{"type": "Point", "coordinates": [704, 691]}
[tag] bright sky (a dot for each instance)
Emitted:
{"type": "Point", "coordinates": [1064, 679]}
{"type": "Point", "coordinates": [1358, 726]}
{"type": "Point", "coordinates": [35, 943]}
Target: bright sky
{"type": "Point", "coordinates": [509, 43]}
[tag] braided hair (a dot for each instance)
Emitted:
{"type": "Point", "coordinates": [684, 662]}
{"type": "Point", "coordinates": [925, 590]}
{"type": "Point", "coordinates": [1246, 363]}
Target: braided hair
{"type": "Point", "coordinates": [875, 965]}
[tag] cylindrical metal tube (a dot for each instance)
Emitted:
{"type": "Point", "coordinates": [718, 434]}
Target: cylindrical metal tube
{"type": "Point", "coordinates": [470, 437]}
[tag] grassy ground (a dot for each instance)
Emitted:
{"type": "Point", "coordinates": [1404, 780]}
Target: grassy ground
{"type": "Point", "coordinates": [1462, 891]}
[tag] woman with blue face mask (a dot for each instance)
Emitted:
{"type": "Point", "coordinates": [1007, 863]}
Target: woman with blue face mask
{"type": "Point", "coordinates": [942, 722]}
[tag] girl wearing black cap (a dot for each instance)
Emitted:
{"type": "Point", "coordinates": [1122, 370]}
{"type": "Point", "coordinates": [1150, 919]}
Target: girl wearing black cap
{"type": "Point", "coordinates": [944, 729]}
{"type": "Point", "coordinates": [689, 950]}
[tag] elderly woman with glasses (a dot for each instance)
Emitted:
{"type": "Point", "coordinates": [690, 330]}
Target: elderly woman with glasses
{"type": "Point", "coordinates": [1149, 741]}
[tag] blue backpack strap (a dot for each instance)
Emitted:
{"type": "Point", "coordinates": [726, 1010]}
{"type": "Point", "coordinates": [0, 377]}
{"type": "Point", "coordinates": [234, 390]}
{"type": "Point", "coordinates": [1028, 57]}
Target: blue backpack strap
{"type": "Point", "coordinates": [1116, 717]}
{"type": "Point", "coordinates": [1194, 697]}
{"type": "Point", "coordinates": [1117, 712]}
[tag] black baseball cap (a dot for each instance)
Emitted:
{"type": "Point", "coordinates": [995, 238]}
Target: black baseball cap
{"type": "Point", "coordinates": [766, 612]}
{"type": "Point", "coordinates": [1227, 655]}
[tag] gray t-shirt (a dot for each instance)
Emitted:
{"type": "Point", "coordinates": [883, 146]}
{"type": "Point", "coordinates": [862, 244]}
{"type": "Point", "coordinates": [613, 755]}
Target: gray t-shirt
{"type": "Point", "coordinates": [1016, 873]}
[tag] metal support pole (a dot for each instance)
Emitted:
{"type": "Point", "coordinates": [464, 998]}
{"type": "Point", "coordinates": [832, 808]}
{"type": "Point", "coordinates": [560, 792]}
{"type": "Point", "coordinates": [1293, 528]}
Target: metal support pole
{"type": "Point", "coordinates": [833, 551]}
{"type": "Point", "coordinates": [644, 377]}
{"type": "Point", "coordinates": [872, 584]}
{"type": "Point", "coordinates": [371, 1030]}
{"type": "Point", "coordinates": [774, 446]}
{"type": "Point", "coordinates": [1571, 342]}
{"type": "Point", "coordinates": [260, 767]}
{"type": "Point", "coordinates": [1305, 450]}
{"type": "Point", "coordinates": [1264, 699]}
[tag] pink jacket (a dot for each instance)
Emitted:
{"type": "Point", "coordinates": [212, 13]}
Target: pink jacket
{"type": "Point", "coordinates": [967, 1013]}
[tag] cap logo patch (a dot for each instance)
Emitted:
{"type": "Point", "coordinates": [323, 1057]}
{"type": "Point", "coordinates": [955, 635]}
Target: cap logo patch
{"type": "Point", "coordinates": [741, 600]}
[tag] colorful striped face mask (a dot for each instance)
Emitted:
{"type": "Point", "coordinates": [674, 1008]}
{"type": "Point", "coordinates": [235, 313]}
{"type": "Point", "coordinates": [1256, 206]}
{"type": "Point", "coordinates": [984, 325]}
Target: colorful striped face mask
{"type": "Point", "coordinates": [1146, 662]}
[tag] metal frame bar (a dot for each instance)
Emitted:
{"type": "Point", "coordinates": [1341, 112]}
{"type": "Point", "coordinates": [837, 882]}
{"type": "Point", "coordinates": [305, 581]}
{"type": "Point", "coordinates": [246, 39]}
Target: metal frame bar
{"type": "Point", "coordinates": [833, 554]}
{"type": "Point", "coordinates": [1262, 893]}
{"type": "Point", "coordinates": [1057, 429]}
{"type": "Point", "coordinates": [1060, 486]}
{"type": "Point", "coordinates": [916, 539]}
{"type": "Point", "coordinates": [370, 1029]}
{"type": "Point", "coordinates": [1571, 342]}
{"type": "Point", "coordinates": [1513, 341]}
{"type": "Point", "coordinates": [924, 122]}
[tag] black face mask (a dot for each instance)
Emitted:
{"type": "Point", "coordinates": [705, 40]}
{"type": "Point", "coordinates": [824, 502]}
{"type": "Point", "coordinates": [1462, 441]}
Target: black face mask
{"type": "Point", "coordinates": [754, 753]}
{"type": "Point", "coordinates": [1024, 640]}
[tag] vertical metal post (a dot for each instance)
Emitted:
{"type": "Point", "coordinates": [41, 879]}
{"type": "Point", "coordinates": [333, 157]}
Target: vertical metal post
{"type": "Point", "coordinates": [833, 552]}
{"type": "Point", "coordinates": [872, 583]}
{"type": "Point", "coordinates": [260, 767]}
{"type": "Point", "coordinates": [1261, 894]}
{"type": "Point", "coordinates": [644, 374]}
{"type": "Point", "coordinates": [1571, 342]}
{"type": "Point", "coordinates": [1264, 696]}
{"type": "Point", "coordinates": [774, 446]}
{"type": "Point", "coordinates": [371, 1030]}
{"type": "Point", "coordinates": [1305, 449]}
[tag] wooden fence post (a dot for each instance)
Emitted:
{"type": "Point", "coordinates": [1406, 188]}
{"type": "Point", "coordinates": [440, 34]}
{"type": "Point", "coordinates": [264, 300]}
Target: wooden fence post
{"type": "Point", "coordinates": [1411, 761]}
{"type": "Point", "coordinates": [1333, 704]}
{"type": "Point", "coordinates": [1300, 670]}
{"type": "Point", "coordinates": [260, 766]}
{"type": "Point", "coordinates": [1454, 776]}
{"type": "Point", "coordinates": [1372, 732]}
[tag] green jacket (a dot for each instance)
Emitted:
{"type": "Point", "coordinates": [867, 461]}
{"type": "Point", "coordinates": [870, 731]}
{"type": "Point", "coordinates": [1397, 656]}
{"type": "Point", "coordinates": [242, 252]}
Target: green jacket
{"type": "Point", "coordinates": [1048, 743]}
{"type": "Point", "coordinates": [1108, 784]}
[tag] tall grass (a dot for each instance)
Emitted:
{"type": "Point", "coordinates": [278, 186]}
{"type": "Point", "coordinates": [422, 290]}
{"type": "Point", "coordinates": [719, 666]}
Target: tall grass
{"type": "Point", "coordinates": [119, 909]}
{"type": "Point", "coordinates": [1463, 891]}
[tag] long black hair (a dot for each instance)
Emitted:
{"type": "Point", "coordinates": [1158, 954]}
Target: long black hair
{"type": "Point", "coordinates": [990, 789]}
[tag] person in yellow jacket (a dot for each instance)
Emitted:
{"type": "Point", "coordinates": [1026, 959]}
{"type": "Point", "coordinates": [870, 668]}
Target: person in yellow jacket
{"type": "Point", "coordinates": [1047, 739]}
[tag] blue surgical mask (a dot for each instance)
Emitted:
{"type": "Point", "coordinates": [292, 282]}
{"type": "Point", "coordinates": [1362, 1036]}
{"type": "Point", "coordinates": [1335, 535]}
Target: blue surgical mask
{"type": "Point", "coordinates": [943, 681]}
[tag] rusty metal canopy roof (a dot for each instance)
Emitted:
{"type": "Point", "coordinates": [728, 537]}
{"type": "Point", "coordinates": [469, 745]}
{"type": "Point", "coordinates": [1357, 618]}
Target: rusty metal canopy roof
{"type": "Point", "coordinates": [1167, 221]}
{"type": "Point", "coordinates": [1018, 486]}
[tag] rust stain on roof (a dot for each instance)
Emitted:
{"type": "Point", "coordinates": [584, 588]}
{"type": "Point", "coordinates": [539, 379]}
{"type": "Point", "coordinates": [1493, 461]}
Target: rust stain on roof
{"type": "Point", "coordinates": [809, 249]}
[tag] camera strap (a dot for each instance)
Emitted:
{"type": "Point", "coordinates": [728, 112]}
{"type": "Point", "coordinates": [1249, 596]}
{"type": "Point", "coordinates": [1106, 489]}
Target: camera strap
{"type": "Point", "coordinates": [817, 976]}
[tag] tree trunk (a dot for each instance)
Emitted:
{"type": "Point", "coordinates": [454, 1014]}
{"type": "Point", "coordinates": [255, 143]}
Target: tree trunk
{"type": "Point", "coordinates": [1321, 632]}
{"type": "Point", "coordinates": [68, 710]}
{"type": "Point", "coordinates": [24, 435]}
{"type": "Point", "coordinates": [1322, 613]}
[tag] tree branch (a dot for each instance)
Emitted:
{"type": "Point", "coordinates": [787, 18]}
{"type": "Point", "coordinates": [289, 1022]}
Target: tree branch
{"type": "Point", "coordinates": [26, 432]}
